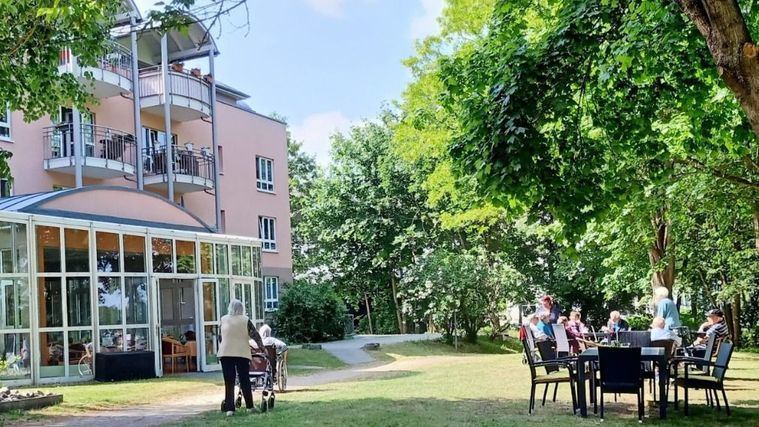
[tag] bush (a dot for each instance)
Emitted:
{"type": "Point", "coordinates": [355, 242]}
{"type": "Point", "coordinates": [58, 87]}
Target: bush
{"type": "Point", "coordinates": [639, 322]}
{"type": "Point", "coordinates": [311, 313]}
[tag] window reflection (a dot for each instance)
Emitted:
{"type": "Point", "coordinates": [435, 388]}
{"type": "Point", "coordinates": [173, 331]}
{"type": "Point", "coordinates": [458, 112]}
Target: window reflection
{"type": "Point", "coordinates": [15, 304]}
{"type": "Point", "coordinates": [48, 249]}
{"type": "Point", "coordinates": [51, 305]}
{"type": "Point", "coordinates": [51, 354]}
{"type": "Point", "coordinates": [15, 352]}
{"type": "Point", "coordinates": [163, 255]}
{"type": "Point", "coordinates": [134, 254]}
{"type": "Point", "coordinates": [247, 266]}
{"type": "Point", "coordinates": [185, 257]}
{"type": "Point", "coordinates": [78, 301]}
{"type": "Point", "coordinates": [109, 300]}
{"type": "Point", "coordinates": [13, 256]}
{"type": "Point", "coordinates": [206, 258]}
{"type": "Point", "coordinates": [108, 255]}
{"type": "Point", "coordinates": [222, 262]}
{"type": "Point", "coordinates": [209, 301]}
{"type": "Point", "coordinates": [111, 340]}
{"type": "Point", "coordinates": [137, 339]}
{"type": "Point", "coordinates": [77, 250]}
{"type": "Point", "coordinates": [236, 260]}
{"type": "Point", "coordinates": [136, 299]}
{"type": "Point", "coordinates": [79, 341]}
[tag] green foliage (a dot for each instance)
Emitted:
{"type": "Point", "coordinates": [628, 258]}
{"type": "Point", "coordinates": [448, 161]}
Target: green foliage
{"type": "Point", "coordinates": [639, 322]}
{"type": "Point", "coordinates": [311, 313]}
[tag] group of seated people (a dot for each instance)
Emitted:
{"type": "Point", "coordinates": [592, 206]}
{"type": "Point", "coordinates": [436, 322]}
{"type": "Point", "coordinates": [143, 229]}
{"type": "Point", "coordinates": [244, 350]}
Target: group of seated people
{"type": "Point", "coordinates": [663, 327]}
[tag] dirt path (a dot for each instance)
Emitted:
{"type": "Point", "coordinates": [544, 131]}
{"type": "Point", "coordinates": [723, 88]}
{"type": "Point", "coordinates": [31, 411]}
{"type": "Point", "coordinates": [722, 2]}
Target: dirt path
{"type": "Point", "coordinates": [188, 406]}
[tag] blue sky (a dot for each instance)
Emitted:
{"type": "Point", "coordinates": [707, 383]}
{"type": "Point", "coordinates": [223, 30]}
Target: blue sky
{"type": "Point", "coordinates": [323, 64]}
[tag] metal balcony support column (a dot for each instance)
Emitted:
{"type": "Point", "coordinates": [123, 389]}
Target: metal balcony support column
{"type": "Point", "coordinates": [215, 142]}
{"type": "Point", "coordinates": [77, 137]}
{"type": "Point", "coordinates": [167, 116]}
{"type": "Point", "coordinates": [137, 108]}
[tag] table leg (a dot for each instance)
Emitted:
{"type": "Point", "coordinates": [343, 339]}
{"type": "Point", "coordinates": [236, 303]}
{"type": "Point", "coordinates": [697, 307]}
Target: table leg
{"type": "Point", "coordinates": [663, 385]}
{"type": "Point", "coordinates": [581, 388]}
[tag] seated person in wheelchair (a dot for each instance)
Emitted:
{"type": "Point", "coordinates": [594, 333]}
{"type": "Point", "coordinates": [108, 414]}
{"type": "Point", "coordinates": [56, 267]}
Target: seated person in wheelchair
{"type": "Point", "coordinates": [265, 332]}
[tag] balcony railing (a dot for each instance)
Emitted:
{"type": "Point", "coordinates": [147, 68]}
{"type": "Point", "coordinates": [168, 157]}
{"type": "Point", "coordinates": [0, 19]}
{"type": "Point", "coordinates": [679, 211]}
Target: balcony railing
{"type": "Point", "coordinates": [180, 84]}
{"type": "Point", "coordinates": [98, 142]}
{"type": "Point", "coordinates": [190, 162]}
{"type": "Point", "coordinates": [117, 59]}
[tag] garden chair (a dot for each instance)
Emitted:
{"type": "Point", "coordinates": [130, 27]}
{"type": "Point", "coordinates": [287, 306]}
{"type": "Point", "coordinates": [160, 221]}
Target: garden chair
{"type": "Point", "coordinates": [620, 373]}
{"type": "Point", "coordinates": [554, 375]}
{"type": "Point", "coordinates": [562, 340]}
{"type": "Point", "coordinates": [714, 381]}
{"type": "Point", "coordinates": [700, 363]}
{"type": "Point", "coordinates": [173, 350]}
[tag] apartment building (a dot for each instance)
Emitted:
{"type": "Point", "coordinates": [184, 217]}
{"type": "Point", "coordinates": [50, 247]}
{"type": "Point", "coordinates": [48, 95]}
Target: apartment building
{"type": "Point", "coordinates": [116, 239]}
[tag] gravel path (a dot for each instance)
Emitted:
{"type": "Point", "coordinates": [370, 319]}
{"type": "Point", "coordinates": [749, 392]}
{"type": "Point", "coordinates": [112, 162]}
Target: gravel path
{"type": "Point", "coordinates": [187, 406]}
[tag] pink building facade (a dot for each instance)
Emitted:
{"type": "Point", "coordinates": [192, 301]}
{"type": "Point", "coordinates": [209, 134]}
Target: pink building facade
{"type": "Point", "coordinates": [94, 178]}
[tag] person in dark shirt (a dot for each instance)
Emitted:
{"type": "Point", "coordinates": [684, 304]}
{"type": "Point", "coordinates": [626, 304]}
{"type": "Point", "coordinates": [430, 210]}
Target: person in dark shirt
{"type": "Point", "coordinates": [718, 327]}
{"type": "Point", "coordinates": [550, 307]}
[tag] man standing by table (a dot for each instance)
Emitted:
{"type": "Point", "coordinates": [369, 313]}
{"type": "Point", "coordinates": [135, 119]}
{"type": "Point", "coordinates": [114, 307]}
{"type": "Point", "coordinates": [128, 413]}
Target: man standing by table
{"type": "Point", "coordinates": [666, 308]}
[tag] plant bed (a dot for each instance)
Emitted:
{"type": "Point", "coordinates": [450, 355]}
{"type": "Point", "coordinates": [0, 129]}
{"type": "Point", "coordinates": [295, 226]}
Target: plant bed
{"type": "Point", "coordinates": [15, 400]}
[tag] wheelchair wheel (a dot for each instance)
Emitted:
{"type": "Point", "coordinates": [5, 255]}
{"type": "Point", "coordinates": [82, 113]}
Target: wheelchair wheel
{"type": "Point", "coordinates": [282, 376]}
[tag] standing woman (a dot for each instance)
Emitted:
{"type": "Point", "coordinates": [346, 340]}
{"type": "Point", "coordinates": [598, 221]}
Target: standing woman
{"type": "Point", "coordinates": [234, 354]}
{"type": "Point", "coordinates": [550, 307]}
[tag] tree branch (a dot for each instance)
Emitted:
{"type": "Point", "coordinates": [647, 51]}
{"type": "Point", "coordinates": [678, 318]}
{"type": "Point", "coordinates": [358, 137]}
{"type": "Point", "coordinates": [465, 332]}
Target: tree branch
{"type": "Point", "coordinates": [720, 174]}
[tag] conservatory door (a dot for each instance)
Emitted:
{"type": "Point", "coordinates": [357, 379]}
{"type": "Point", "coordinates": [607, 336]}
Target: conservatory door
{"type": "Point", "coordinates": [209, 317]}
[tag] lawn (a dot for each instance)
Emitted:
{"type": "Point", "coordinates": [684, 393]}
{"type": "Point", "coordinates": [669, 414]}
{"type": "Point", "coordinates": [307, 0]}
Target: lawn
{"type": "Point", "coordinates": [95, 396]}
{"type": "Point", "coordinates": [434, 385]}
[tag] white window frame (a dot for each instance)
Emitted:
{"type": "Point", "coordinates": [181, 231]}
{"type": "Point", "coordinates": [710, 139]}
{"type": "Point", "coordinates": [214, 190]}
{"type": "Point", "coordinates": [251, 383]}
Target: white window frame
{"type": "Point", "coordinates": [264, 174]}
{"type": "Point", "coordinates": [7, 124]}
{"type": "Point", "coordinates": [271, 293]}
{"type": "Point", "coordinates": [267, 233]}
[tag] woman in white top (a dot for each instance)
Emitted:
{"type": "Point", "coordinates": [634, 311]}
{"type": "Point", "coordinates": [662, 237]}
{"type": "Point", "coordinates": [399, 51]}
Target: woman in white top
{"type": "Point", "coordinates": [234, 354]}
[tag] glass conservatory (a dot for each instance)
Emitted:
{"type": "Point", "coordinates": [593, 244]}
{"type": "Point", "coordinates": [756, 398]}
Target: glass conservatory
{"type": "Point", "coordinates": [114, 270]}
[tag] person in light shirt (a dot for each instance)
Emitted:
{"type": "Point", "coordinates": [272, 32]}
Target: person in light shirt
{"type": "Point", "coordinates": [659, 330]}
{"type": "Point", "coordinates": [265, 332]}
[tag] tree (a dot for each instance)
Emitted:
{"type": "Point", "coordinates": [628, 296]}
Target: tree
{"type": "Point", "coordinates": [365, 221]}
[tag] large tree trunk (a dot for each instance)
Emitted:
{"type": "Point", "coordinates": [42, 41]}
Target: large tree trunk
{"type": "Point", "coordinates": [661, 250]}
{"type": "Point", "coordinates": [724, 29]}
{"type": "Point", "coordinates": [737, 319]}
{"type": "Point", "coordinates": [398, 309]}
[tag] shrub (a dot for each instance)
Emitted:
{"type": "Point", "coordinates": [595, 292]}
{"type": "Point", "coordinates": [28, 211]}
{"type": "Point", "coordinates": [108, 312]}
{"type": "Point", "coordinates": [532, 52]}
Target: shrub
{"type": "Point", "coordinates": [311, 313]}
{"type": "Point", "coordinates": [639, 322]}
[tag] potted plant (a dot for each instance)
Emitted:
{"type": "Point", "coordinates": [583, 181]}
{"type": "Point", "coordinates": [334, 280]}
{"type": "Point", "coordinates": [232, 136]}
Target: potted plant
{"type": "Point", "coordinates": [178, 67]}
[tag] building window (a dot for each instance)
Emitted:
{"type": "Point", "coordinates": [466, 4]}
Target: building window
{"type": "Point", "coordinates": [267, 232]}
{"type": "Point", "coordinates": [264, 174]}
{"type": "Point", "coordinates": [5, 123]}
{"type": "Point", "coordinates": [6, 190]}
{"type": "Point", "coordinates": [271, 299]}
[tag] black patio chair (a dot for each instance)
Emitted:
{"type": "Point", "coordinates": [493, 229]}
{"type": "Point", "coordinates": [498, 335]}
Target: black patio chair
{"type": "Point", "coordinates": [700, 363]}
{"type": "Point", "coordinates": [635, 338]}
{"type": "Point", "coordinates": [620, 373]}
{"type": "Point", "coordinates": [554, 374]}
{"type": "Point", "coordinates": [714, 381]}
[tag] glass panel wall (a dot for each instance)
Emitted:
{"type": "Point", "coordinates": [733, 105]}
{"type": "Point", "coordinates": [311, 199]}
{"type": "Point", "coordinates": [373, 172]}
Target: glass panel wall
{"type": "Point", "coordinates": [206, 258]}
{"type": "Point", "coordinates": [48, 249]}
{"type": "Point", "coordinates": [108, 253]}
{"type": "Point", "coordinates": [163, 255]}
{"type": "Point", "coordinates": [77, 250]}
{"type": "Point", "coordinates": [185, 257]}
{"type": "Point", "coordinates": [134, 254]}
{"type": "Point", "coordinates": [15, 295]}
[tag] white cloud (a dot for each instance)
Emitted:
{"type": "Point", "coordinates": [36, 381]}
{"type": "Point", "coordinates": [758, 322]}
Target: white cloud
{"type": "Point", "coordinates": [315, 132]}
{"type": "Point", "coordinates": [330, 8]}
{"type": "Point", "coordinates": [426, 24]}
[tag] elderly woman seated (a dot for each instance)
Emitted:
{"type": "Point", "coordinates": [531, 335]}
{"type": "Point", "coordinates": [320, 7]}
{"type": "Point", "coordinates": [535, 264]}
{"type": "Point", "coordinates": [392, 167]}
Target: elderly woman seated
{"type": "Point", "coordinates": [537, 332]}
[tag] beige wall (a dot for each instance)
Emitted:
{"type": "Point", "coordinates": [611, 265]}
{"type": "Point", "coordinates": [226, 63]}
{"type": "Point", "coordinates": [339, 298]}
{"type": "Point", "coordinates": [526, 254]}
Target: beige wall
{"type": "Point", "coordinates": [242, 134]}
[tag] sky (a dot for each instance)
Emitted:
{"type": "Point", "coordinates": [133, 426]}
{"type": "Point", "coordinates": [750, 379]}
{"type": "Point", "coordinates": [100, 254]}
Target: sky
{"type": "Point", "coordinates": [322, 64]}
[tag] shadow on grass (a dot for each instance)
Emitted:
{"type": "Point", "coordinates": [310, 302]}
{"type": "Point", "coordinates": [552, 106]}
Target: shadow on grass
{"type": "Point", "coordinates": [432, 411]}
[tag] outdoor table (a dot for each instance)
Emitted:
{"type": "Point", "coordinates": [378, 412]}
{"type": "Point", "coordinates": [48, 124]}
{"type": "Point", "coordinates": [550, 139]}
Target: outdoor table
{"type": "Point", "coordinates": [648, 354]}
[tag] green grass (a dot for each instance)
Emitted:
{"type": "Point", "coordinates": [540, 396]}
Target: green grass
{"type": "Point", "coordinates": [299, 361]}
{"type": "Point", "coordinates": [458, 388]}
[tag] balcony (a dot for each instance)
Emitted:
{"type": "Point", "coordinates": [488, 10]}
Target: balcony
{"type": "Point", "coordinates": [193, 169]}
{"type": "Point", "coordinates": [111, 76]}
{"type": "Point", "coordinates": [189, 96]}
{"type": "Point", "coordinates": [108, 153]}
